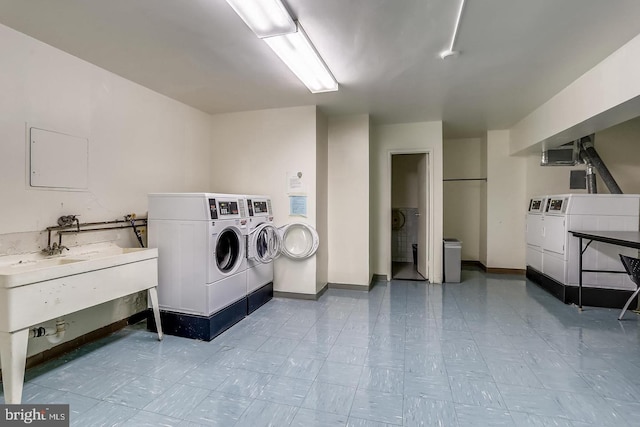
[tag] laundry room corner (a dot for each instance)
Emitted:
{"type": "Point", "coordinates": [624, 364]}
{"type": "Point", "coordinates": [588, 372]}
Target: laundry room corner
{"type": "Point", "coordinates": [253, 153]}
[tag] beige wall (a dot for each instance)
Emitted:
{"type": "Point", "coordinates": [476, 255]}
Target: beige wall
{"type": "Point", "coordinates": [543, 180]}
{"type": "Point", "coordinates": [251, 153]}
{"type": "Point", "coordinates": [619, 148]}
{"type": "Point", "coordinates": [322, 189]}
{"type": "Point", "coordinates": [398, 139]}
{"type": "Point", "coordinates": [349, 200]}
{"type": "Point", "coordinates": [464, 159]}
{"type": "Point", "coordinates": [506, 204]}
{"type": "Point", "coordinates": [482, 249]}
{"type": "Point", "coordinates": [604, 96]}
{"type": "Point", "coordinates": [404, 180]}
{"type": "Point", "coordinates": [132, 134]}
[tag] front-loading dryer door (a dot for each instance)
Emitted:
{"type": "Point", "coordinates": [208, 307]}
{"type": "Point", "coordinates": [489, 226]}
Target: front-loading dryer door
{"type": "Point", "coordinates": [299, 240]}
{"type": "Point", "coordinates": [264, 243]}
{"type": "Point", "coordinates": [228, 251]}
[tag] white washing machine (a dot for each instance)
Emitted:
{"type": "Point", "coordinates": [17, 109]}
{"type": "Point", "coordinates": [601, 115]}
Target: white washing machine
{"type": "Point", "coordinates": [263, 246]}
{"type": "Point", "coordinates": [585, 212]}
{"type": "Point", "coordinates": [533, 232]}
{"type": "Point", "coordinates": [202, 267]}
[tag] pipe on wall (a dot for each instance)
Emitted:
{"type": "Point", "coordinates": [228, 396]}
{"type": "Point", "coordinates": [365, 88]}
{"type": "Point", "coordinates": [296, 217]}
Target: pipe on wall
{"type": "Point", "coordinates": [594, 160]}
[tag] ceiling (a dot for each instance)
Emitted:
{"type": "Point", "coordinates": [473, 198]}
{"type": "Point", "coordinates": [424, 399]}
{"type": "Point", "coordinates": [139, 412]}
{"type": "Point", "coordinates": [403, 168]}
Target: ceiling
{"type": "Point", "coordinates": [515, 54]}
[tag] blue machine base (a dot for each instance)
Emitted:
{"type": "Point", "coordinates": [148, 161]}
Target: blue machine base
{"type": "Point", "coordinates": [200, 327]}
{"type": "Point", "coordinates": [259, 297]}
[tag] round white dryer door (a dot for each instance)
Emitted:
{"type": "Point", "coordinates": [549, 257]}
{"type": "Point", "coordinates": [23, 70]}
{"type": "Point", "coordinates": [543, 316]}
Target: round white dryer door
{"type": "Point", "coordinates": [228, 250]}
{"type": "Point", "coordinates": [299, 240]}
{"type": "Point", "coordinates": [264, 243]}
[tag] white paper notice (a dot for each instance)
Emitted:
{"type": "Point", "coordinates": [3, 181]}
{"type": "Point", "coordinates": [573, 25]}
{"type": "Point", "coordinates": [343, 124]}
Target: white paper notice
{"type": "Point", "coordinates": [295, 185]}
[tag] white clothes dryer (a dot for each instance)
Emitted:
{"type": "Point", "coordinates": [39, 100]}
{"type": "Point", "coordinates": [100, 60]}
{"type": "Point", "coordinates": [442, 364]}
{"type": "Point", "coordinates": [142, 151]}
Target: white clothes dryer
{"type": "Point", "coordinates": [201, 240]}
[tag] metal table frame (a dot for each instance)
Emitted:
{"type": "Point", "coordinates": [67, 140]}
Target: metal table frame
{"type": "Point", "coordinates": [627, 239]}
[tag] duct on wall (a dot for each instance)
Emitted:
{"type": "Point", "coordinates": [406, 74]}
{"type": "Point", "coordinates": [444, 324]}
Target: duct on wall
{"type": "Point", "coordinates": [593, 160]}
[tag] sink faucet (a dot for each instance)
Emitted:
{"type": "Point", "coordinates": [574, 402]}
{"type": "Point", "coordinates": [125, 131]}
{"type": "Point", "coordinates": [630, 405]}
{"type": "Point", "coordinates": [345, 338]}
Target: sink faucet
{"type": "Point", "coordinates": [55, 249]}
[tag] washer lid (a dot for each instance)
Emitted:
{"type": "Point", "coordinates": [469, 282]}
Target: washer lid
{"type": "Point", "coordinates": [264, 243]}
{"type": "Point", "coordinates": [299, 240]}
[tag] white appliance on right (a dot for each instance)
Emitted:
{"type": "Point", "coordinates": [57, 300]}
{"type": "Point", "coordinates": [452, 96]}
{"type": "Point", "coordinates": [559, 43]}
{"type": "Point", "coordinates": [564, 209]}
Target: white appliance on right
{"type": "Point", "coordinates": [587, 212]}
{"type": "Point", "coordinates": [266, 242]}
{"type": "Point", "coordinates": [534, 233]}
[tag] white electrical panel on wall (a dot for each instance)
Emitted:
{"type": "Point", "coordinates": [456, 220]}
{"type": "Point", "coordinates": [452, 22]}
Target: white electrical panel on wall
{"type": "Point", "coordinates": [58, 160]}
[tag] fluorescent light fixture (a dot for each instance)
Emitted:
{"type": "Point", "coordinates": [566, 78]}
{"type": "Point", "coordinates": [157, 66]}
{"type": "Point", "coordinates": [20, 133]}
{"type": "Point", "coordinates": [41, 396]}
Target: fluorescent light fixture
{"type": "Point", "coordinates": [450, 53]}
{"type": "Point", "coordinates": [297, 52]}
{"type": "Point", "coordinates": [266, 18]}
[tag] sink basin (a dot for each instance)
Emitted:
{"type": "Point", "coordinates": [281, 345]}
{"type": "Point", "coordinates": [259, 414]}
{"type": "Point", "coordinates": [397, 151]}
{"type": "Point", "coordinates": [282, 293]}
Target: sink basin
{"type": "Point", "coordinates": [19, 270]}
{"type": "Point", "coordinates": [37, 264]}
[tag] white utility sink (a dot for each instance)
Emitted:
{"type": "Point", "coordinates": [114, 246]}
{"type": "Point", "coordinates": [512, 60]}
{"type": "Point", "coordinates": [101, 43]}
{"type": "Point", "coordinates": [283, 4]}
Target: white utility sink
{"type": "Point", "coordinates": [35, 289]}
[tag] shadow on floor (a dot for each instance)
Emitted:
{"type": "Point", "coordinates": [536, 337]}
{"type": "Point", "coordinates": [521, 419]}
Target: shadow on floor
{"type": "Point", "coordinates": [406, 271]}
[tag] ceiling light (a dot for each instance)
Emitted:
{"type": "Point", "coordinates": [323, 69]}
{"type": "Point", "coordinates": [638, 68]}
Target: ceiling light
{"type": "Point", "coordinates": [447, 53]}
{"type": "Point", "coordinates": [297, 52]}
{"type": "Point", "coordinates": [266, 18]}
{"type": "Point", "coordinates": [450, 52]}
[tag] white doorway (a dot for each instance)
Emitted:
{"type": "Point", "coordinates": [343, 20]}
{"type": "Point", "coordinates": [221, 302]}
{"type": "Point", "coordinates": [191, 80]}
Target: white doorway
{"type": "Point", "coordinates": [410, 216]}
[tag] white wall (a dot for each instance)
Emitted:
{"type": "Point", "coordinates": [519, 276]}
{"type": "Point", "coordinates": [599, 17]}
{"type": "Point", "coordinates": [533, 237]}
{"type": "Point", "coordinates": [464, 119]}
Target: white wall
{"type": "Point", "coordinates": [506, 204]}
{"type": "Point", "coordinates": [464, 159]}
{"type": "Point", "coordinates": [251, 153]}
{"type": "Point", "coordinates": [349, 200]}
{"type": "Point", "coordinates": [399, 138]}
{"type": "Point", "coordinates": [139, 142]}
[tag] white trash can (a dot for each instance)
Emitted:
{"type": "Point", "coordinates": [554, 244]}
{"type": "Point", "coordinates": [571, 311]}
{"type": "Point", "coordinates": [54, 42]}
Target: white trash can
{"type": "Point", "coordinates": [452, 258]}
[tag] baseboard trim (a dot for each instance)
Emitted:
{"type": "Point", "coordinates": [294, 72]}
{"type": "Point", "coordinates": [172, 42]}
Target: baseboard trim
{"type": "Point", "coordinates": [517, 271]}
{"type": "Point", "coordinates": [379, 278]}
{"type": "Point", "coordinates": [87, 338]}
{"type": "Point", "coordinates": [322, 291]}
{"type": "Point", "coordinates": [350, 287]}
{"type": "Point", "coordinates": [295, 295]}
{"type": "Point", "coordinates": [477, 264]}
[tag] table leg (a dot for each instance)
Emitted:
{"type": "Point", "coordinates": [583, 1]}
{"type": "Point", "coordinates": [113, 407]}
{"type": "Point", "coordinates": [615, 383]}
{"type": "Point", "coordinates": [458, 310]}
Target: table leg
{"type": "Point", "coordinates": [580, 276]}
{"type": "Point", "coordinates": [153, 296]}
{"type": "Point", "coordinates": [13, 356]}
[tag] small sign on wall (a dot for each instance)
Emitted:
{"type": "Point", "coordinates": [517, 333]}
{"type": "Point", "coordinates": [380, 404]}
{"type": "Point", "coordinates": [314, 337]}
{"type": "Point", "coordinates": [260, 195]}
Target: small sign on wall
{"type": "Point", "coordinates": [58, 160]}
{"type": "Point", "coordinates": [298, 206]}
{"type": "Point", "coordinates": [295, 184]}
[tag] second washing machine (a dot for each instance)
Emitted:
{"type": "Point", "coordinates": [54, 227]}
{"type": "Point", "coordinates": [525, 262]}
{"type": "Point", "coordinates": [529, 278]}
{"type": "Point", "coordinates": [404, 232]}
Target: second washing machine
{"type": "Point", "coordinates": [263, 246]}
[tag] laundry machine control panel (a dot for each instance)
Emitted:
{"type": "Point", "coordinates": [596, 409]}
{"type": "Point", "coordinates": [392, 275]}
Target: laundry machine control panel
{"type": "Point", "coordinates": [222, 208]}
{"type": "Point", "coordinates": [536, 205]}
{"type": "Point", "coordinates": [557, 205]}
{"type": "Point", "coordinates": [259, 207]}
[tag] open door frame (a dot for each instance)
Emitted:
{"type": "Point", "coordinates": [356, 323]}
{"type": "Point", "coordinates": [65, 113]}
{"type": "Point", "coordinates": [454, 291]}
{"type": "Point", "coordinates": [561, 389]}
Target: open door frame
{"type": "Point", "coordinates": [430, 223]}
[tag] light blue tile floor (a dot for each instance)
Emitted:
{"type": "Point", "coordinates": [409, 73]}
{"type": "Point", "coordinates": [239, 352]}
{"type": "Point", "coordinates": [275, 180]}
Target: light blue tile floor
{"type": "Point", "coordinates": [492, 350]}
